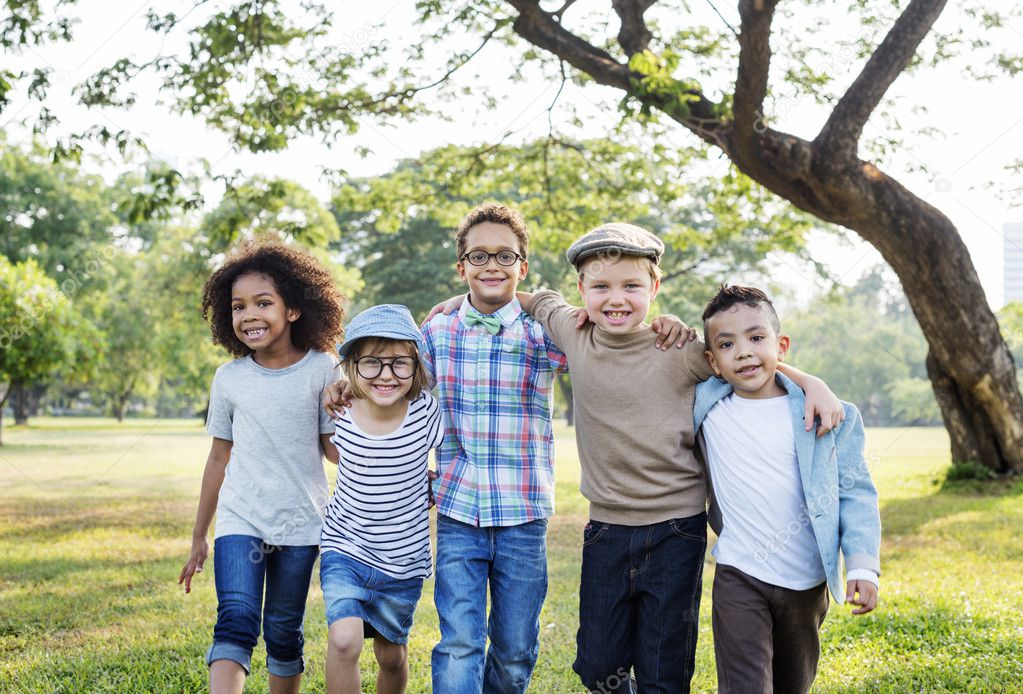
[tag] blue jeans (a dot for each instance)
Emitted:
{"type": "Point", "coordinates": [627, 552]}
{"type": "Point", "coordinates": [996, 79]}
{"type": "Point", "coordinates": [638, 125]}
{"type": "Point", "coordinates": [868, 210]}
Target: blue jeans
{"type": "Point", "coordinates": [241, 565]}
{"type": "Point", "coordinates": [639, 605]}
{"type": "Point", "coordinates": [514, 561]}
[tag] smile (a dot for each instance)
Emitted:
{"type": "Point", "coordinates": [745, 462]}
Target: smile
{"type": "Point", "coordinates": [254, 333]}
{"type": "Point", "coordinates": [748, 370]}
{"type": "Point", "coordinates": [492, 281]}
{"type": "Point", "coordinates": [617, 316]}
{"type": "Point", "coordinates": [385, 389]}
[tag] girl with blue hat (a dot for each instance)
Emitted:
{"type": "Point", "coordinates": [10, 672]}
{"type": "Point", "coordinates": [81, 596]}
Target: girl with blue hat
{"type": "Point", "coordinates": [375, 545]}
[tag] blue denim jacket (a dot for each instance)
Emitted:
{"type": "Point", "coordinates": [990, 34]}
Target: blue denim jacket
{"type": "Point", "coordinates": [841, 500]}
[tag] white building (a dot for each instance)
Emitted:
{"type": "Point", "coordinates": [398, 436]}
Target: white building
{"type": "Point", "coordinates": [1013, 259]}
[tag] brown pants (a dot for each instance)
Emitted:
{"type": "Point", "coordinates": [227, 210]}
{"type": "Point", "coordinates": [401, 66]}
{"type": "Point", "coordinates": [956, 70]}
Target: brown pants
{"type": "Point", "coordinates": [765, 637]}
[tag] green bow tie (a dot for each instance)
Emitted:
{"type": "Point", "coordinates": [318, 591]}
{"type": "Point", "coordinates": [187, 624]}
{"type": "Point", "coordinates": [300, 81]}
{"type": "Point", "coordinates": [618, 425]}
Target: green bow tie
{"type": "Point", "coordinates": [491, 323]}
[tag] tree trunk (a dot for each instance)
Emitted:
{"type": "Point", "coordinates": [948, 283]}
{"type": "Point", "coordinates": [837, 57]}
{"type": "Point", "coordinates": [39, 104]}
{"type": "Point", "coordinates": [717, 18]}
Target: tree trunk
{"type": "Point", "coordinates": [20, 402]}
{"type": "Point", "coordinates": [565, 383]}
{"type": "Point", "coordinates": [970, 366]}
{"type": "Point", "coordinates": [6, 390]}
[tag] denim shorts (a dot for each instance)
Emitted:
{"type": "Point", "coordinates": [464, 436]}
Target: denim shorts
{"type": "Point", "coordinates": [386, 605]}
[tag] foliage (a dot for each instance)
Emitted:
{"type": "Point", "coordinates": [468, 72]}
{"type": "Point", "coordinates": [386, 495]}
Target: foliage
{"type": "Point", "coordinates": [55, 214]}
{"type": "Point", "coordinates": [39, 330]}
{"type": "Point", "coordinates": [866, 346]}
{"type": "Point", "coordinates": [399, 227]}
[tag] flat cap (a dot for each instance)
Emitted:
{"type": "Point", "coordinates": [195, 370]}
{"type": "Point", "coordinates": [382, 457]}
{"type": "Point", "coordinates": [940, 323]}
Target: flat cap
{"type": "Point", "coordinates": [614, 239]}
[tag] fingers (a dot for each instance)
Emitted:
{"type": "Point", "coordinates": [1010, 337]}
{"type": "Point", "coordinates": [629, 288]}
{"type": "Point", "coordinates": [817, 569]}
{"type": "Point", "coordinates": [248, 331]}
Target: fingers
{"type": "Point", "coordinates": [808, 416]}
{"type": "Point", "coordinates": [863, 594]}
{"type": "Point", "coordinates": [439, 308]}
{"type": "Point", "coordinates": [581, 318]}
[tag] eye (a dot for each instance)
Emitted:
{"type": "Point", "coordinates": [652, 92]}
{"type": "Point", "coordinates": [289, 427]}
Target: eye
{"type": "Point", "coordinates": [264, 303]}
{"type": "Point", "coordinates": [724, 345]}
{"type": "Point", "coordinates": [757, 338]}
{"type": "Point", "coordinates": [631, 285]}
{"type": "Point", "coordinates": [478, 257]}
{"type": "Point", "coordinates": [506, 257]}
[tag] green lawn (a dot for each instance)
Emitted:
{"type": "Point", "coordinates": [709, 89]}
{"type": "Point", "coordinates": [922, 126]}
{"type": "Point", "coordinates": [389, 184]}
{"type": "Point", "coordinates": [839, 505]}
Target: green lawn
{"type": "Point", "coordinates": [95, 519]}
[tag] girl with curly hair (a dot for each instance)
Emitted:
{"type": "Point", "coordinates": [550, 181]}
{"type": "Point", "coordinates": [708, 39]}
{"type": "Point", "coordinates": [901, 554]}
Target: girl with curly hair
{"type": "Point", "coordinates": [278, 310]}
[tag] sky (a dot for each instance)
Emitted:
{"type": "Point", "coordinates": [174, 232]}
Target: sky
{"type": "Point", "coordinates": [967, 159]}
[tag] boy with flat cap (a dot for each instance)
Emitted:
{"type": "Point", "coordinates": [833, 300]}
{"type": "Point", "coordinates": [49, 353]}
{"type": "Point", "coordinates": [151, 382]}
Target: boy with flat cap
{"type": "Point", "coordinates": [643, 549]}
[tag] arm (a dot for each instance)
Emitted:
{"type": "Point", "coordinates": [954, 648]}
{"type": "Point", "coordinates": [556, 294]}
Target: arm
{"type": "Point", "coordinates": [329, 449]}
{"type": "Point", "coordinates": [820, 400]}
{"type": "Point", "coordinates": [337, 397]}
{"type": "Point", "coordinates": [859, 523]}
{"type": "Point", "coordinates": [212, 480]}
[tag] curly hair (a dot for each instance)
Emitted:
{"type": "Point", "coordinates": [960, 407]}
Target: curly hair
{"type": "Point", "coordinates": [496, 213]}
{"type": "Point", "coordinates": [299, 278]}
{"type": "Point", "coordinates": [729, 296]}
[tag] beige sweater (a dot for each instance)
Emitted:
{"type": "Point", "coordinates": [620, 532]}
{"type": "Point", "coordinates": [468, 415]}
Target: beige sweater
{"type": "Point", "coordinates": [634, 418]}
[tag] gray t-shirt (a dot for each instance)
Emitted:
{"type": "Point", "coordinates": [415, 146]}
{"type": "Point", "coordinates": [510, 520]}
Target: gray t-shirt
{"type": "Point", "coordinates": [274, 487]}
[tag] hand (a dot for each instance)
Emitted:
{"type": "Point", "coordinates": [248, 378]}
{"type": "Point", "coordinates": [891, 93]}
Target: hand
{"type": "Point", "coordinates": [446, 307]}
{"type": "Point", "coordinates": [200, 550]}
{"type": "Point", "coordinates": [671, 329]}
{"type": "Point", "coordinates": [430, 477]}
{"type": "Point", "coordinates": [337, 398]}
{"type": "Point", "coordinates": [862, 593]}
{"type": "Point", "coordinates": [581, 318]}
{"type": "Point", "coordinates": [821, 402]}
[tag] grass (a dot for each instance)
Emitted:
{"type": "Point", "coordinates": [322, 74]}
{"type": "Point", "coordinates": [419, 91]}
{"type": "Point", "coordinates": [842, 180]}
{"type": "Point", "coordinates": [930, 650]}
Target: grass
{"type": "Point", "coordinates": [95, 520]}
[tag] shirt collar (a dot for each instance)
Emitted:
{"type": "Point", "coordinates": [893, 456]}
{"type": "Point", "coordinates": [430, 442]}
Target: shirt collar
{"type": "Point", "coordinates": [507, 314]}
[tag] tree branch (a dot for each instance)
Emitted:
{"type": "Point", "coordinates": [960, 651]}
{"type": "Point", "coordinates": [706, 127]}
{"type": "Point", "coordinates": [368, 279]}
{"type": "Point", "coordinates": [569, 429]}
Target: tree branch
{"type": "Point", "coordinates": [543, 30]}
{"type": "Point", "coordinates": [754, 64]}
{"type": "Point", "coordinates": [840, 136]}
{"type": "Point", "coordinates": [633, 36]}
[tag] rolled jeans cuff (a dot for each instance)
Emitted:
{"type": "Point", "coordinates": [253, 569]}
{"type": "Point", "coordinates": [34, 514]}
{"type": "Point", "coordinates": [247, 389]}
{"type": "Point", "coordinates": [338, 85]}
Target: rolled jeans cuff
{"type": "Point", "coordinates": [225, 650]}
{"type": "Point", "coordinates": [284, 668]}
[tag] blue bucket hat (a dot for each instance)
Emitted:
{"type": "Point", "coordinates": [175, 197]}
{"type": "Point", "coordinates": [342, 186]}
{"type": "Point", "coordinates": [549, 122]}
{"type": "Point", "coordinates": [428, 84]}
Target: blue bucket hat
{"type": "Point", "coordinates": [392, 321]}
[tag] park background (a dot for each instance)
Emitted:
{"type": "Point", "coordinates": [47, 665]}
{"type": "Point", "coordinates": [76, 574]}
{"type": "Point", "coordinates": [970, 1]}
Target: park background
{"type": "Point", "coordinates": [108, 231]}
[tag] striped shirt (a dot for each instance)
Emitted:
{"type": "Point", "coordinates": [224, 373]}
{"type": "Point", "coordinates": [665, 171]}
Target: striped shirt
{"type": "Point", "coordinates": [496, 465]}
{"type": "Point", "coordinates": [379, 513]}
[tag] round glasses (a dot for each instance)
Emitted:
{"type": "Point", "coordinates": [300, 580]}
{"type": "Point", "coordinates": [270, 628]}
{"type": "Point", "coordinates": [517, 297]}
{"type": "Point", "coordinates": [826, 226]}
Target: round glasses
{"type": "Point", "coordinates": [403, 368]}
{"type": "Point", "coordinates": [481, 258]}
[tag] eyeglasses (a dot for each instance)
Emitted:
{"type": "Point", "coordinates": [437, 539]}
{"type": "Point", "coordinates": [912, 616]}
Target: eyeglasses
{"type": "Point", "coordinates": [403, 368]}
{"type": "Point", "coordinates": [481, 258]}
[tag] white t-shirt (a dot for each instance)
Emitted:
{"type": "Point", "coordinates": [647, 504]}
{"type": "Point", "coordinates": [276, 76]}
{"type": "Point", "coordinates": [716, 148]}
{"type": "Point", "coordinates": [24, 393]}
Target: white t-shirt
{"type": "Point", "coordinates": [379, 513]}
{"type": "Point", "coordinates": [751, 456]}
{"type": "Point", "coordinates": [274, 486]}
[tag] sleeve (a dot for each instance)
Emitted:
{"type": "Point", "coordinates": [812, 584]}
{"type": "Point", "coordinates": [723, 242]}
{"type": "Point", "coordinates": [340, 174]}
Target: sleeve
{"type": "Point", "coordinates": [696, 360]}
{"type": "Point", "coordinates": [332, 373]}
{"type": "Point", "coordinates": [557, 317]}
{"type": "Point", "coordinates": [428, 356]}
{"type": "Point", "coordinates": [436, 424]}
{"type": "Point", "coordinates": [220, 413]}
{"type": "Point", "coordinates": [859, 522]}
{"type": "Point", "coordinates": [555, 357]}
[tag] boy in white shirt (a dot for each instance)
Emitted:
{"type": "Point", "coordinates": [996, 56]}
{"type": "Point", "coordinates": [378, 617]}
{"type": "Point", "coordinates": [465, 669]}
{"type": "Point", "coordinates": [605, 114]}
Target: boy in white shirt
{"type": "Point", "coordinates": [783, 504]}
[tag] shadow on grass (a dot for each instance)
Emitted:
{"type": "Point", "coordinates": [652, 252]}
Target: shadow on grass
{"type": "Point", "coordinates": [43, 520]}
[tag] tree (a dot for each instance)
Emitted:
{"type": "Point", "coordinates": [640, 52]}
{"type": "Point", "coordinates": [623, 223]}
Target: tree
{"type": "Point", "coordinates": [266, 75]}
{"type": "Point", "coordinates": [39, 331]}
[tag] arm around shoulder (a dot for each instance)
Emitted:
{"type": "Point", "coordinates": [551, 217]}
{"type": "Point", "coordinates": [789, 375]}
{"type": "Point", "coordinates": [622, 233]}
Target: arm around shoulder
{"type": "Point", "coordinates": [550, 310]}
{"type": "Point", "coordinates": [859, 521]}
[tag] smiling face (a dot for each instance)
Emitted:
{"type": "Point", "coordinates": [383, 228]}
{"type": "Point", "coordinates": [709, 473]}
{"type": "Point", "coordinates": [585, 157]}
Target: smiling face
{"type": "Point", "coordinates": [385, 390]}
{"type": "Point", "coordinates": [617, 294]}
{"type": "Point", "coordinates": [745, 350]}
{"type": "Point", "coordinates": [259, 316]}
{"type": "Point", "coordinates": [491, 286]}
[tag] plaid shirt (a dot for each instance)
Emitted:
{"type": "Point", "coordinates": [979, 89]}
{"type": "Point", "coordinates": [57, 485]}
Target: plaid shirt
{"type": "Point", "coordinates": [496, 465]}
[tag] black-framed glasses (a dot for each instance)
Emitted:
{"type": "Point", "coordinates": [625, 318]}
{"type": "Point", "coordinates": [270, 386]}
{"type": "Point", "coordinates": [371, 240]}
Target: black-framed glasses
{"type": "Point", "coordinates": [403, 368]}
{"type": "Point", "coordinates": [481, 258]}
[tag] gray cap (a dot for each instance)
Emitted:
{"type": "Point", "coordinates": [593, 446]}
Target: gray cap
{"type": "Point", "coordinates": [616, 238]}
{"type": "Point", "coordinates": [393, 321]}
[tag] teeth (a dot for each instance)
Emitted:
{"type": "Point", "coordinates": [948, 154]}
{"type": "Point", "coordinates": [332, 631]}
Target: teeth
{"type": "Point", "coordinates": [616, 315]}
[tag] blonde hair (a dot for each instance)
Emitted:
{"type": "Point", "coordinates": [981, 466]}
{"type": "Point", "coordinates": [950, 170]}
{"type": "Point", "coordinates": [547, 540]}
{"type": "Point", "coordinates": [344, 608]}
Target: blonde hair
{"type": "Point", "coordinates": [367, 345]}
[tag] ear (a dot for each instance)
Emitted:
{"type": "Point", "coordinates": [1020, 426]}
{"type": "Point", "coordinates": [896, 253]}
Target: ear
{"type": "Point", "coordinates": [460, 266]}
{"type": "Point", "coordinates": [523, 269]}
{"type": "Point", "coordinates": [712, 361]}
{"type": "Point", "coordinates": [655, 289]}
{"type": "Point", "coordinates": [293, 314]}
{"type": "Point", "coordinates": [783, 346]}
{"type": "Point", "coordinates": [579, 284]}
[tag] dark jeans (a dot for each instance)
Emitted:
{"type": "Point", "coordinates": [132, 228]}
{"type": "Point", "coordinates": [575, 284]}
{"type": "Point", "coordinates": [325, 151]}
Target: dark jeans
{"type": "Point", "coordinates": [765, 637]}
{"type": "Point", "coordinates": [639, 605]}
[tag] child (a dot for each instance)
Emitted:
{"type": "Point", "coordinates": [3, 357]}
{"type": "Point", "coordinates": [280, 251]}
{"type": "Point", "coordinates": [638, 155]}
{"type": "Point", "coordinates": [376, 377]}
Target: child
{"type": "Point", "coordinates": [493, 366]}
{"type": "Point", "coordinates": [278, 310]}
{"type": "Point", "coordinates": [643, 549]}
{"type": "Point", "coordinates": [785, 503]}
{"type": "Point", "coordinates": [376, 539]}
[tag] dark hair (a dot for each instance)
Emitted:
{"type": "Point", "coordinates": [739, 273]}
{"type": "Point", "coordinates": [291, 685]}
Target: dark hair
{"type": "Point", "coordinates": [299, 278]}
{"type": "Point", "coordinates": [729, 296]}
{"type": "Point", "coordinates": [495, 213]}
{"type": "Point", "coordinates": [366, 345]}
